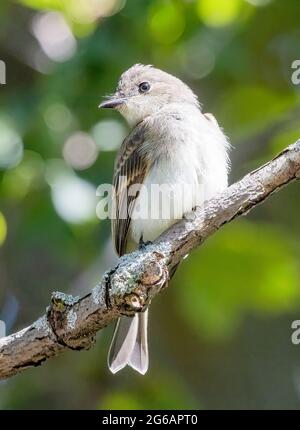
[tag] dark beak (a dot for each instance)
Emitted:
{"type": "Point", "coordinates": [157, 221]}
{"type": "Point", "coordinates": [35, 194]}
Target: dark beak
{"type": "Point", "coordinates": [112, 102]}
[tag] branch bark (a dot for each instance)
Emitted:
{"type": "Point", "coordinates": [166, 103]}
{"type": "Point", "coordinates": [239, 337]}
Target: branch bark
{"type": "Point", "coordinates": [72, 322]}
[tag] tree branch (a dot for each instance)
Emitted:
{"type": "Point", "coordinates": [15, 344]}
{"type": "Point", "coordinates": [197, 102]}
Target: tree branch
{"type": "Point", "coordinates": [72, 322]}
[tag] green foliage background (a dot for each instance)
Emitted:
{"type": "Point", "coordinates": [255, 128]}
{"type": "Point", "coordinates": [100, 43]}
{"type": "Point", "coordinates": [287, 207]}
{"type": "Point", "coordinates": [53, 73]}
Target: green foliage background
{"type": "Point", "coordinates": [220, 336]}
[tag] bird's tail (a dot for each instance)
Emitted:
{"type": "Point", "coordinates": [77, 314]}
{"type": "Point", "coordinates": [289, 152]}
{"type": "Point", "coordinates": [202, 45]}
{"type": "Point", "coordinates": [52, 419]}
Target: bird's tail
{"type": "Point", "coordinates": [129, 345]}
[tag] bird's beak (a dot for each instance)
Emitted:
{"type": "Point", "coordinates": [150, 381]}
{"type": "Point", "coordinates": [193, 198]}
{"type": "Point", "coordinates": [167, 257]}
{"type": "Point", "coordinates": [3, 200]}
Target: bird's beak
{"type": "Point", "coordinates": [112, 103]}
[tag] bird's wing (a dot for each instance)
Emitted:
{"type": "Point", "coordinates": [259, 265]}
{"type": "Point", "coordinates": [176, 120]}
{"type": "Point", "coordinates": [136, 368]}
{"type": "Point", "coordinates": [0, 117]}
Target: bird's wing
{"type": "Point", "coordinates": [130, 168]}
{"type": "Point", "coordinates": [211, 118]}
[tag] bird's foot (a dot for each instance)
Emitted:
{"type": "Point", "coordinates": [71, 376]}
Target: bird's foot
{"type": "Point", "coordinates": [143, 244]}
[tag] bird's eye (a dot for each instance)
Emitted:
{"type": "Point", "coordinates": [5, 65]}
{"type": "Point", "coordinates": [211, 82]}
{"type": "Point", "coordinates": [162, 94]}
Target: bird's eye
{"type": "Point", "coordinates": [144, 87]}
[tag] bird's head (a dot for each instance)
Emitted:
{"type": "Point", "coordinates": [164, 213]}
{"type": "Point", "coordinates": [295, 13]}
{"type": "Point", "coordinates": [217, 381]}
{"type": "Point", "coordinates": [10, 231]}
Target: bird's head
{"type": "Point", "coordinates": [144, 90]}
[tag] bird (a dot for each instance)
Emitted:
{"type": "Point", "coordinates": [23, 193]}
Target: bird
{"type": "Point", "coordinates": [171, 143]}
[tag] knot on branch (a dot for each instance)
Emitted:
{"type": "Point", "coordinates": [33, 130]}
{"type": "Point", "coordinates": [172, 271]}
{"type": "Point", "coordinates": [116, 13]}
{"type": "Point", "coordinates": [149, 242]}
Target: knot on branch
{"type": "Point", "coordinates": [147, 282]}
{"type": "Point", "coordinates": [62, 318]}
{"type": "Point", "coordinates": [154, 273]}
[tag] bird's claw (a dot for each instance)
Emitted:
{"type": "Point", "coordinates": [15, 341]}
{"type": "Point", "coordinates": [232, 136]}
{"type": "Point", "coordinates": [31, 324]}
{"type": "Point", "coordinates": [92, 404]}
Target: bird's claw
{"type": "Point", "coordinates": [143, 244]}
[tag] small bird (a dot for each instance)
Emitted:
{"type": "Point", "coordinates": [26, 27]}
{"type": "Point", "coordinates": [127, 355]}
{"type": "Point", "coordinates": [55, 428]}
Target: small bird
{"type": "Point", "coordinates": [171, 143]}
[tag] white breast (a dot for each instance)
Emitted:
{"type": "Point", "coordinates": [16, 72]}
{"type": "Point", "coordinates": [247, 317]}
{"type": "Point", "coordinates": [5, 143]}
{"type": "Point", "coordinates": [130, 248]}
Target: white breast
{"type": "Point", "coordinates": [190, 166]}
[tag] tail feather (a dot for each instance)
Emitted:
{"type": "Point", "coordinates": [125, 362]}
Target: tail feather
{"type": "Point", "coordinates": [139, 358]}
{"type": "Point", "coordinates": [129, 345]}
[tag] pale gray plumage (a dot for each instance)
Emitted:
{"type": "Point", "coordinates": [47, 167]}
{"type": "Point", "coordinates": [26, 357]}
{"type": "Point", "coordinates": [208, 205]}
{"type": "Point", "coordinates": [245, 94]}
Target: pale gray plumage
{"type": "Point", "coordinates": [171, 143]}
{"type": "Point", "coordinates": [129, 344]}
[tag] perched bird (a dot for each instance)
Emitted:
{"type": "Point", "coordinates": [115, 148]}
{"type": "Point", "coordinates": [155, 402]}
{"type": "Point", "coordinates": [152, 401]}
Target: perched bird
{"type": "Point", "coordinates": [171, 143]}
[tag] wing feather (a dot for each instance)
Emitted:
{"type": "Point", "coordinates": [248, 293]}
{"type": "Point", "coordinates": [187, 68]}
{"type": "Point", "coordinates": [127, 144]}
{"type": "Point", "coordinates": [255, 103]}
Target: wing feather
{"type": "Point", "coordinates": [130, 168]}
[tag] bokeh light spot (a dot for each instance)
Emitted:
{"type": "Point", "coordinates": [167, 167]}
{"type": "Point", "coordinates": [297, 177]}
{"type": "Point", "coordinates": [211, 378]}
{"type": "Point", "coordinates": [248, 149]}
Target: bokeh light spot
{"type": "Point", "coordinates": [54, 36]}
{"type": "Point", "coordinates": [17, 182]}
{"type": "Point", "coordinates": [74, 199]}
{"type": "Point", "coordinates": [56, 170]}
{"type": "Point", "coordinates": [80, 150]}
{"type": "Point", "coordinates": [11, 146]}
{"type": "Point", "coordinates": [166, 22]}
{"type": "Point", "coordinates": [87, 11]}
{"type": "Point", "coordinates": [259, 2]}
{"type": "Point", "coordinates": [218, 13]}
{"type": "Point", "coordinates": [58, 117]}
{"type": "Point", "coordinates": [197, 59]}
{"type": "Point", "coordinates": [3, 229]}
{"type": "Point", "coordinates": [108, 134]}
